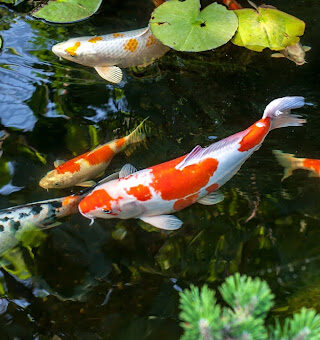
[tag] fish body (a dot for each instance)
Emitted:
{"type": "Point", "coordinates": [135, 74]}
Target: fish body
{"type": "Point", "coordinates": [291, 163]}
{"type": "Point", "coordinates": [92, 164]}
{"type": "Point", "coordinates": [3, 135]}
{"type": "Point", "coordinates": [107, 53]}
{"type": "Point", "coordinates": [295, 53]}
{"type": "Point", "coordinates": [154, 193]}
{"type": "Point", "coordinates": [40, 214]}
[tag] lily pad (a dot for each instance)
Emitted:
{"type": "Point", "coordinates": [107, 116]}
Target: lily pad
{"type": "Point", "coordinates": [66, 11]}
{"type": "Point", "coordinates": [267, 27]}
{"type": "Point", "coordinates": [181, 25]}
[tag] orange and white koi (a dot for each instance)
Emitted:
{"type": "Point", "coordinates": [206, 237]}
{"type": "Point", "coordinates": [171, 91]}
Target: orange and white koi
{"type": "Point", "coordinates": [107, 53]}
{"type": "Point", "coordinates": [291, 163]}
{"type": "Point", "coordinates": [92, 164]}
{"type": "Point", "coordinates": [153, 194]}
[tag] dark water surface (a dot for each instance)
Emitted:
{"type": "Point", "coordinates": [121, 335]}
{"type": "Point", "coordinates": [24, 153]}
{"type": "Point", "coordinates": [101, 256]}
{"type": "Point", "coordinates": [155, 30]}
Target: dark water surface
{"type": "Point", "coordinates": [120, 279]}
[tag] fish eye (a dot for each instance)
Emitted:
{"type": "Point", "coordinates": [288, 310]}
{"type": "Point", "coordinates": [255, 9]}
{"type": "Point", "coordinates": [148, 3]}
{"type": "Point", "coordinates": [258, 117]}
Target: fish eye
{"type": "Point", "coordinates": [107, 211]}
{"type": "Point", "coordinates": [56, 184]}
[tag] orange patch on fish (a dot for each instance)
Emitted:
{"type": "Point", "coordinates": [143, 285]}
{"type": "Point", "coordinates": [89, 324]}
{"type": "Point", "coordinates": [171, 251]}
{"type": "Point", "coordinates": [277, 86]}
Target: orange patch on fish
{"type": "Point", "coordinates": [120, 142]}
{"type": "Point", "coordinates": [172, 183]}
{"type": "Point", "coordinates": [95, 39]}
{"type": "Point", "coordinates": [102, 154]}
{"type": "Point", "coordinates": [131, 45]}
{"type": "Point", "coordinates": [68, 200]}
{"type": "Point", "coordinates": [212, 187]}
{"type": "Point", "coordinates": [140, 192]}
{"type": "Point", "coordinates": [255, 135]}
{"type": "Point", "coordinates": [98, 199]}
{"type": "Point", "coordinates": [72, 50]}
{"type": "Point", "coordinates": [118, 35]}
{"type": "Point", "coordinates": [69, 166]}
{"type": "Point", "coordinates": [185, 202]}
{"type": "Point", "coordinates": [150, 41]}
{"type": "Point", "coordinates": [312, 164]}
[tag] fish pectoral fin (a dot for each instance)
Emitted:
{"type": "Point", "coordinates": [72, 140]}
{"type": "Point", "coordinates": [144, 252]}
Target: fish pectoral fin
{"type": "Point", "coordinates": [166, 222]}
{"type": "Point", "coordinates": [110, 73]}
{"type": "Point", "coordinates": [306, 48]}
{"type": "Point", "coordinates": [58, 162]}
{"type": "Point", "coordinates": [86, 184]}
{"type": "Point", "coordinates": [212, 198]}
{"type": "Point", "coordinates": [127, 170]}
{"type": "Point", "coordinates": [48, 226]}
{"type": "Point", "coordinates": [277, 55]}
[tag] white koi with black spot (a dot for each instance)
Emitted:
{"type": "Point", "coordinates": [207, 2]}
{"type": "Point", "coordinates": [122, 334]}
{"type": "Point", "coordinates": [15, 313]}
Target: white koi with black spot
{"type": "Point", "coordinates": [154, 193]}
{"type": "Point", "coordinates": [107, 53]}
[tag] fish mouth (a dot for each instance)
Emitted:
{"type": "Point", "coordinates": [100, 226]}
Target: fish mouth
{"type": "Point", "coordinates": [58, 50]}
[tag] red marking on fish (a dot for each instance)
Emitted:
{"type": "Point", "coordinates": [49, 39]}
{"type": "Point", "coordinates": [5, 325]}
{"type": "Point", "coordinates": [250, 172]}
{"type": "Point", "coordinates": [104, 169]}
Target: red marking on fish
{"type": "Point", "coordinates": [98, 199]}
{"type": "Point", "coordinates": [212, 187]}
{"type": "Point", "coordinates": [120, 142]}
{"type": "Point", "coordinates": [255, 134]}
{"type": "Point", "coordinates": [185, 202]}
{"type": "Point", "coordinates": [140, 192]}
{"type": "Point", "coordinates": [102, 154]}
{"type": "Point", "coordinates": [312, 164]}
{"type": "Point", "coordinates": [131, 45]}
{"type": "Point", "coordinates": [172, 183]}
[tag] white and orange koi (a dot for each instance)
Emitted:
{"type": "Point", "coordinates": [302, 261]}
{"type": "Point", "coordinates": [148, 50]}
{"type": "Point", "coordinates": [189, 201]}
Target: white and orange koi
{"type": "Point", "coordinates": [92, 164]}
{"type": "Point", "coordinates": [291, 163]}
{"type": "Point", "coordinates": [107, 53]}
{"type": "Point", "coordinates": [154, 193]}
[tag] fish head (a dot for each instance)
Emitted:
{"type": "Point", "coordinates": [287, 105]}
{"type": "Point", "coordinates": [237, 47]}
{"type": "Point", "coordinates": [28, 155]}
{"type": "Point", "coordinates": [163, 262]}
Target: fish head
{"type": "Point", "coordinates": [99, 203]}
{"type": "Point", "coordinates": [76, 49]}
{"type": "Point", "coordinates": [54, 180]}
{"type": "Point", "coordinates": [296, 53]}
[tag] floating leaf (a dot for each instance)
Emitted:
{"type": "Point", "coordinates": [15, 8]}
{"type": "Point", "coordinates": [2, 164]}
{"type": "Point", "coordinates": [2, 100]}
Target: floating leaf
{"type": "Point", "coordinates": [183, 27]}
{"type": "Point", "coordinates": [267, 27]}
{"type": "Point", "coordinates": [66, 11]}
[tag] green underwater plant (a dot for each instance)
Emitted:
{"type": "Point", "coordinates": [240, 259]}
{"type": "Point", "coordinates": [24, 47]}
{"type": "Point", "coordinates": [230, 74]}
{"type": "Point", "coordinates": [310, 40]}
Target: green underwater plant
{"type": "Point", "coordinates": [249, 302]}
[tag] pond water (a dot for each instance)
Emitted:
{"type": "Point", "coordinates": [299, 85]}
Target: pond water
{"type": "Point", "coordinates": [121, 279]}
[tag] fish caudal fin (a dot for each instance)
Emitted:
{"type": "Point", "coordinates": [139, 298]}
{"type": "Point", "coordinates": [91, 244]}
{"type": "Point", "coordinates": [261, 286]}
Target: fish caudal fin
{"type": "Point", "coordinates": [279, 112]}
{"type": "Point", "coordinates": [138, 135]}
{"type": "Point", "coordinates": [288, 161]}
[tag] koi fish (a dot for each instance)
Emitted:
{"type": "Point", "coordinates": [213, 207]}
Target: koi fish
{"type": "Point", "coordinates": [42, 214]}
{"type": "Point", "coordinates": [92, 164]}
{"type": "Point", "coordinates": [295, 53]}
{"type": "Point", "coordinates": [154, 193]}
{"type": "Point", "coordinates": [107, 53]}
{"type": "Point", "coordinates": [291, 163]}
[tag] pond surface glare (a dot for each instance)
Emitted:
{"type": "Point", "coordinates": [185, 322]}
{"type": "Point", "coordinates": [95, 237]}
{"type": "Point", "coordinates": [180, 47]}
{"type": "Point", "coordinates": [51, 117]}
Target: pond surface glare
{"type": "Point", "coordinates": [121, 279]}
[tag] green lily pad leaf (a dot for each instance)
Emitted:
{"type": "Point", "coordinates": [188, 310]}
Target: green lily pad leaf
{"type": "Point", "coordinates": [183, 27]}
{"type": "Point", "coordinates": [267, 27]}
{"type": "Point", "coordinates": [66, 11]}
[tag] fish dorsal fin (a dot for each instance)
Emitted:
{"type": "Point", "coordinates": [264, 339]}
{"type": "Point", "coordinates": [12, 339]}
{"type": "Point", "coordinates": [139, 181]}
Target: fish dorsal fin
{"type": "Point", "coordinates": [306, 48]}
{"type": "Point", "coordinates": [58, 162]}
{"type": "Point", "coordinates": [146, 30]}
{"type": "Point", "coordinates": [193, 157]}
{"type": "Point", "coordinates": [251, 3]}
{"type": "Point", "coordinates": [212, 198]}
{"type": "Point", "coordinates": [127, 170]}
{"type": "Point", "coordinates": [166, 222]}
{"type": "Point", "coordinates": [110, 73]}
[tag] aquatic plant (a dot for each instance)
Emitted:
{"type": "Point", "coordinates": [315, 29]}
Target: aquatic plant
{"type": "Point", "coordinates": [249, 302]}
{"type": "Point", "coordinates": [183, 27]}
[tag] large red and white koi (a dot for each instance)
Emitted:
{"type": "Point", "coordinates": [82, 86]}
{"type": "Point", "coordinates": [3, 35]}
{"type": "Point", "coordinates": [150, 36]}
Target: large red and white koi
{"type": "Point", "coordinates": [107, 53]}
{"type": "Point", "coordinates": [92, 164]}
{"type": "Point", "coordinates": [291, 163]}
{"type": "Point", "coordinates": [154, 193]}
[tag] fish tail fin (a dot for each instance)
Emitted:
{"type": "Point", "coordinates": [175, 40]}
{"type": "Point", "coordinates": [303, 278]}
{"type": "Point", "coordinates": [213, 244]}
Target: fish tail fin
{"type": "Point", "coordinates": [279, 112]}
{"type": "Point", "coordinates": [288, 161]}
{"type": "Point", "coordinates": [138, 135]}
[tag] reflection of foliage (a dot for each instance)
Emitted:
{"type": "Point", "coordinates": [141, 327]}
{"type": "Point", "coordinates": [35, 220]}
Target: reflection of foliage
{"type": "Point", "coordinates": [249, 301]}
